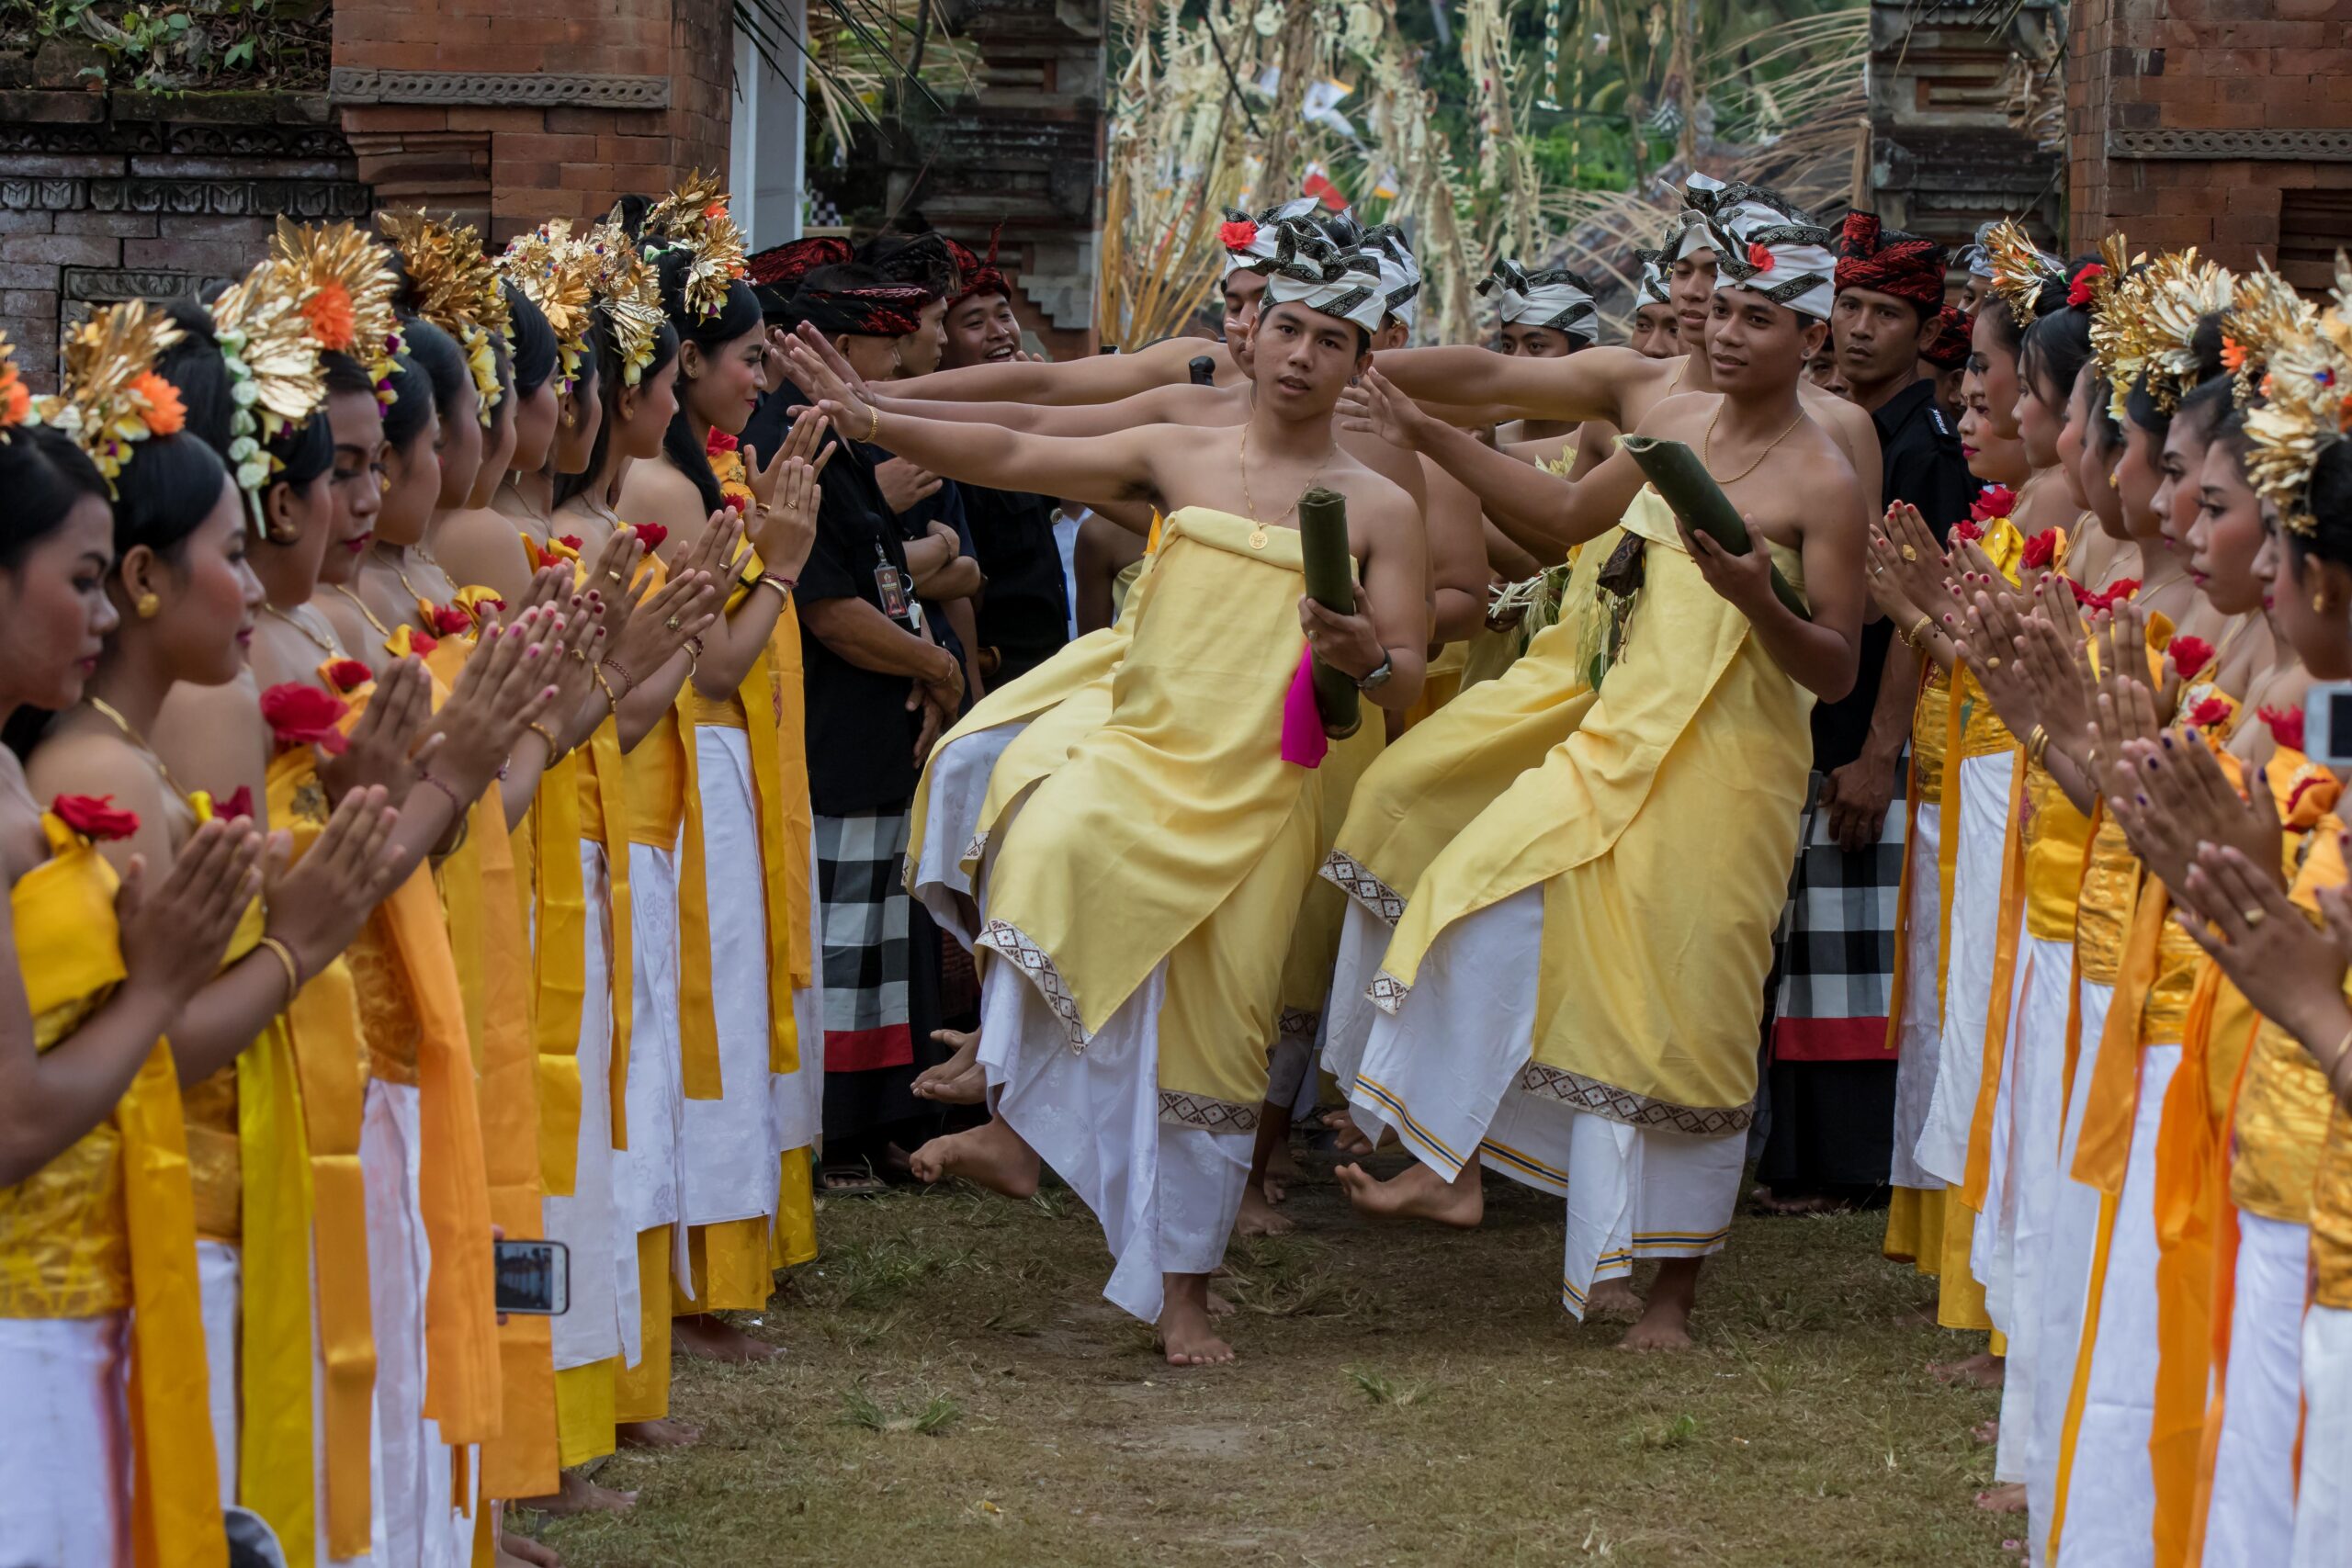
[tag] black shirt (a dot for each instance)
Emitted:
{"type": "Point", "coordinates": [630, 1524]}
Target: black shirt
{"type": "Point", "coordinates": [1919, 462]}
{"type": "Point", "coordinates": [861, 737]}
{"type": "Point", "coordinates": [1024, 612]}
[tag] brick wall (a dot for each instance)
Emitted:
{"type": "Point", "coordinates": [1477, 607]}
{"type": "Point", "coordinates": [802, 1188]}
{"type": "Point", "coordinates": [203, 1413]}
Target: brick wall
{"type": "Point", "coordinates": [2226, 124]}
{"type": "Point", "coordinates": [452, 135]}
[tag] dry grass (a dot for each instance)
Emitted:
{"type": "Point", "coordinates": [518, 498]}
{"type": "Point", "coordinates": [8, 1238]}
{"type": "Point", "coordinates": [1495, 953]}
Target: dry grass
{"type": "Point", "coordinates": [955, 1391]}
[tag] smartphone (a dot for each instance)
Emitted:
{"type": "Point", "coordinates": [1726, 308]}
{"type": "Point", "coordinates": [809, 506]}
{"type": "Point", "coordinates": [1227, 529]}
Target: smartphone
{"type": "Point", "coordinates": [532, 1277]}
{"type": "Point", "coordinates": [2327, 724]}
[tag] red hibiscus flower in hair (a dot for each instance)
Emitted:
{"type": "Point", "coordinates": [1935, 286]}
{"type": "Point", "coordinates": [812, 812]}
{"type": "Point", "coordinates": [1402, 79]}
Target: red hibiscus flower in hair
{"type": "Point", "coordinates": [2040, 551]}
{"type": "Point", "coordinates": [348, 674]}
{"type": "Point", "coordinates": [1759, 256]}
{"type": "Point", "coordinates": [450, 621]}
{"type": "Point", "coordinates": [2286, 724]}
{"type": "Point", "coordinates": [238, 805]}
{"type": "Point", "coordinates": [2190, 654]}
{"type": "Point", "coordinates": [1966, 532]}
{"type": "Point", "coordinates": [1237, 234]}
{"type": "Point", "coordinates": [719, 444]}
{"type": "Point", "coordinates": [95, 816]}
{"type": "Point", "coordinates": [2210, 714]}
{"type": "Point", "coordinates": [651, 536]}
{"type": "Point", "coordinates": [2078, 293]}
{"type": "Point", "coordinates": [301, 714]}
{"type": "Point", "coordinates": [1995, 501]}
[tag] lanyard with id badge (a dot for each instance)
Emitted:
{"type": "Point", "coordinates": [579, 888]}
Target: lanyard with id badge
{"type": "Point", "coordinates": [890, 587]}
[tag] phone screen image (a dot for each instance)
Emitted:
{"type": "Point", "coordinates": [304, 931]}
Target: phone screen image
{"type": "Point", "coordinates": [532, 1277]}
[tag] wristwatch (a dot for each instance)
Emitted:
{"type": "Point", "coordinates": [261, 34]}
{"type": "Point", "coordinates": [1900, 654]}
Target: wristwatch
{"type": "Point", "coordinates": [1378, 678]}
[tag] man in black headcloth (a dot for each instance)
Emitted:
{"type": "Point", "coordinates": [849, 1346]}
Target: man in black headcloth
{"type": "Point", "coordinates": [1832, 1076]}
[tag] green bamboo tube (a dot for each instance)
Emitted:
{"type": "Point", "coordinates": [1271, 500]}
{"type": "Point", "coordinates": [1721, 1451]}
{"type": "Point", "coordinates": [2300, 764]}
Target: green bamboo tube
{"type": "Point", "coordinates": [1331, 583]}
{"type": "Point", "coordinates": [1677, 475]}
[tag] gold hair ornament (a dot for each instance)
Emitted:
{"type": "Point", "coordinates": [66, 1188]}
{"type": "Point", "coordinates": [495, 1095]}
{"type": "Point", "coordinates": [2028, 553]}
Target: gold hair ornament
{"type": "Point", "coordinates": [2021, 270]}
{"type": "Point", "coordinates": [631, 297]}
{"type": "Point", "coordinates": [274, 382]}
{"type": "Point", "coordinates": [348, 284]}
{"type": "Point", "coordinates": [695, 215]}
{"type": "Point", "coordinates": [456, 291]}
{"type": "Point", "coordinates": [2306, 407]}
{"type": "Point", "coordinates": [111, 399]}
{"type": "Point", "coordinates": [556, 273]}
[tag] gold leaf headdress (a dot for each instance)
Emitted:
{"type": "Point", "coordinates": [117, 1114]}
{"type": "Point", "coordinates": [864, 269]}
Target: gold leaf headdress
{"type": "Point", "coordinates": [629, 295]}
{"type": "Point", "coordinates": [2265, 312]}
{"type": "Point", "coordinates": [456, 291]}
{"type": "Point", "coordinates": [2306, 407]}
{"type": "Point", "coordinates": [2021, 270]}
{"type": "Point", "coordinates": [2171, 297]}
{"type": "Point", "coordinates": [695, 215]}
{"type": "Point", "coordinates": [2113, 301]}
{"type": "Point", "coordinates": [111, 397]}
{"type": "Point", "coordinates": [275, 382]}
{"type": "Point", "coordinates": [348, 281]}
{"type": "Point", "coordinates": [556, 271]}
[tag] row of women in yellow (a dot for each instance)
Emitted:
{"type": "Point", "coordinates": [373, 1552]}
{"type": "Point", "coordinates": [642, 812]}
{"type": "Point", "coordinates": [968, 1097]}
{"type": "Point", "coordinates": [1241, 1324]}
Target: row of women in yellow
{"type": "Point", "coordinates": [407, 830]}
{"type": "Point", "coordinates": [2123, 1045]}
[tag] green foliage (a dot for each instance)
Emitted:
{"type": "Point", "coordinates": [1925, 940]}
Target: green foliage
{"type": "Point", "coordinates": [176, 45]}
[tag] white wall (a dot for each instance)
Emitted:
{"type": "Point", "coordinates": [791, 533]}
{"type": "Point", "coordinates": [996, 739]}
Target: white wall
{"type": "Point", "coordinates": [765, 137]}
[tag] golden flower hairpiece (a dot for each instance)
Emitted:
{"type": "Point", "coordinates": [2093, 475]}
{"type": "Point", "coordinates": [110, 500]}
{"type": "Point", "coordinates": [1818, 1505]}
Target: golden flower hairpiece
{"type": "Point", "coordinates": [2306, 407]}
{"type": "Point", "coordinates": [556, 273]}
{"type": "Point", "coordinates": [275, 380]}
{"type": "Point", "coordinates": [111, 399]}
{"type": "Point", "coordinates": [2021, 270]}
{"type": "Point", "coordinates": [457, 289]}
{"type": "Point", "coordinates": [630, 296]}
{"type": "Point", "coordinates": [696, 217]}
{"type": "Point", "coordinates": [349, 283]}
{"type": "Point", "coordinates": [2265, 312]}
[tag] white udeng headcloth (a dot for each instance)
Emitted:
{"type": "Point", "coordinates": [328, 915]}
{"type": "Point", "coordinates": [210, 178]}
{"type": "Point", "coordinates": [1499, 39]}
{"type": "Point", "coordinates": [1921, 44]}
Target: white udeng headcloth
{"type": "Point", "coordinates": [1248, 241]}
{"type": "Point", "coordinates": [1307, 269]}
{"type": "Point", "coordinates": [1554, 298]}
{"type": "Point", "coordinates": [1700, 193]}
{"type": "Point", "coordinates": [1764, 244]}
{"type": "Point", "coordinates": [1400, 273]}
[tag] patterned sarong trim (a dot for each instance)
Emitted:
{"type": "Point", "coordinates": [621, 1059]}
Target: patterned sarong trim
{"type": "Point", "coordinates": [1178, 1109]}
{"type": "Point", "coordinates": [1386, 992]}
{"type": "Point", "coordinates": [1616, 1104]}
{"type": "Point", "coordinates": [1356, 880]}
{"type": "Point", "coordinates": [1297, 1026]}
{"type": "Point", "coordinates": [1038, 964]}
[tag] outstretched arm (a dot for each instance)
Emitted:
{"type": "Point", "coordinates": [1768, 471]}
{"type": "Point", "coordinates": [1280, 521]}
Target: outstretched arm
{"type": "Point", "coordinates": [1486, 388]}
{"type": "Point", "coordinates": [1101, 378]}
{"type": "Point", "coordinates": [1117, 466]}
{"type": "Point", "coordinates": [1540, 511]}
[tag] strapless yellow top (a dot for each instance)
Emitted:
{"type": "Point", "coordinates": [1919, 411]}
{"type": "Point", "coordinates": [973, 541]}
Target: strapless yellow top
{"type": "Point", "coordinates": [2057, 837]}
{"type": "Point", "coordinates": [2284, 1105]}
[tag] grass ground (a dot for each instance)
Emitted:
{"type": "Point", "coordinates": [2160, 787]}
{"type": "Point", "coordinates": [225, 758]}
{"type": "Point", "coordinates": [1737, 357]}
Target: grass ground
{"type": "Point", "coordinates": [955, 1391]}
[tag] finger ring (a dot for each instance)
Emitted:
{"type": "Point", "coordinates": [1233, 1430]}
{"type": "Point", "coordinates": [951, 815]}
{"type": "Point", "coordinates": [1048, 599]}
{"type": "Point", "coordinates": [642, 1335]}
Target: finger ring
{"type": "Point", "coordinates": [671, 624]}
{"type": "Point", "coordinates": [2252, 916]}
{"type": "Point", "coordinates": [614, 575]}
{"type": "Point", "coordinates": [576, 653]}
{"type": "Point", "coordinates": [1910, 552]}
{"type": "Point", "coordinates": [1993, 662]}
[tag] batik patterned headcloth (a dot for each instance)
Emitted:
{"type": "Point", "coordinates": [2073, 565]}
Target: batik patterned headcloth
{"type": "Point", "coordinates": [1943, 341]}
{"type": "Point", "coordinates": [1653, 288]}
{"type": "Point", "coordinates": [1400, 271]}
{"type": "Point", "coordinates": [979, 274]}
{"type": "Point", "coordinates": [1307, 269]}
{"type": "Point", "coordinates": [1554, 297]}
{"type": "Point", "coordinates": [1248, 241]}
{"type": "Point", "coordinates": [1889, 261]}
{"type": "Point", "coordinates": [1769, 244]}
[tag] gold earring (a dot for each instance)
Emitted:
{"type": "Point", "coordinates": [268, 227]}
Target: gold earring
{"type": "Point", "coordinates": [146, 604]}
{"type": "Point", "coordinates": [2319, 602]}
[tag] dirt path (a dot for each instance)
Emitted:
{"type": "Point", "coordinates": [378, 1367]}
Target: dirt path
{"type": "Point", "coordinates": [955, 1391]}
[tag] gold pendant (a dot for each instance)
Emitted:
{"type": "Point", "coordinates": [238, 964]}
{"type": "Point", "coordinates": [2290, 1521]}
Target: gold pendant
{"type": "Point", "coordinates": [1258, 537]}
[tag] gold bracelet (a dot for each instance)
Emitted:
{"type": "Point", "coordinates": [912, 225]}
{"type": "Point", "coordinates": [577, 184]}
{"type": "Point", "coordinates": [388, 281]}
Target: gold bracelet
{"type": "Point", "coordinates": [610, 701]}
{"type": "Point", "coordinates": [555, 748]}
{"type": "Point", "coordinates": [2037, 746]}
{"type": "Point", "coordinates": [1917, 635]}
{"type": "Point", "coordinates": [872, 421]}
{"type": "Point", "coordinates": [293, 970]}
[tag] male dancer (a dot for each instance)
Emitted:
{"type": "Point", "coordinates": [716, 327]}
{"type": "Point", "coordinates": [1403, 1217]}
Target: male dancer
{"type": "Point", "coordinates": [1136, 939]}
{"type": "Point", "coordinates": [1573, 993]}
{"type": "Point", "coordinates": [1545, 314]}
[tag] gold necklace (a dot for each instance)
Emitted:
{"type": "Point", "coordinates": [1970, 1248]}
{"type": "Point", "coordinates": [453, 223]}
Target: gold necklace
{"type": "Point", "coordinates": [322, 644]}
{"type": "Point", "coordinates": [1257, 526]}
{"type": "Point", "coordinates": [107, 710]}
{"type": "Point", "coordinates": [1707, 446]}
{"type": "Point", "coordinates": [381, 627]}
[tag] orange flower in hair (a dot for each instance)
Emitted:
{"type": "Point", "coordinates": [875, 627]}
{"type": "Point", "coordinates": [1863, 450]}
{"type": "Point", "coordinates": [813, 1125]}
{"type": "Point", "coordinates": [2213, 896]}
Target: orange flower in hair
{"type": "Point", "coordinates": [332, 321]}
{"type": "Point", "coordinates": [16, 397]}
{"type": "Point", "coordinates": [166, 414]}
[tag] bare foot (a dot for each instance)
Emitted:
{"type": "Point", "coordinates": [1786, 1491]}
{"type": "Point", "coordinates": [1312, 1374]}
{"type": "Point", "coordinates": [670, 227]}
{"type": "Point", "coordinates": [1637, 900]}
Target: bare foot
{"type": "Point", "coordinates": [1283, 1166]}
{"type": "Point", "coordinates": [1219, 1308]}
{"type": "Point", "coordinates": [1416, 1194]}
{"type": "Point", "coordinates": [1665, 1323]}
{"type": "Point", "coordinates": [1183, 1325]}
{"type": "Point", "coordinates": [971, 1087]}
{"type": "Point", "coordinates": [1346, 1136]}
{"type": "Point", "coordinates": [1615, 1299]}
{"type": "Point", "coordinates": [1984, 1370]}
{"type": "Point", "coordinates": [663, 1434]}
{"type": "Point", "coordinates": [578, 1495]}
{"type": "Point", "coordinates": [2008, 1499]}
{"type": "Point", "coordinates": [518, 1550]}
{"type": "Point", "coordinates": [990, 1156]}
{"type": "Point", "coordinates": [713, 1338]}
{"type": "Point", "coordinates": [1987, 1432]}
{"type": "Point", "coordinates": [933, 1083]}
{"type": "Point", "coordinates": [1258, 1217]}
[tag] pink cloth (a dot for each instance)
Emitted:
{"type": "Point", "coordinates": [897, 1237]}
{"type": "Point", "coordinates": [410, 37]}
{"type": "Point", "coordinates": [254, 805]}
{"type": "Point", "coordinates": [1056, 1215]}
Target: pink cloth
{"type": "Point", "coordinates": [1304, 741]}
